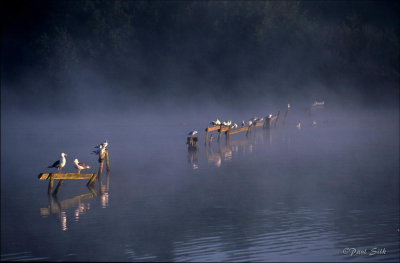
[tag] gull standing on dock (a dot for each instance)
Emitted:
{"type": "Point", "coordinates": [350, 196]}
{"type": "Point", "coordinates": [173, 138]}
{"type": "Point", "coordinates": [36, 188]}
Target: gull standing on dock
{"type": "Point", "coordinates": [217, 122]}
{"type": "Point", "coordinates": [80, 166]}
{"type": "Point", "coordinates": [192, 133]}
{"type": "Point", "coordinates": [59, 164]}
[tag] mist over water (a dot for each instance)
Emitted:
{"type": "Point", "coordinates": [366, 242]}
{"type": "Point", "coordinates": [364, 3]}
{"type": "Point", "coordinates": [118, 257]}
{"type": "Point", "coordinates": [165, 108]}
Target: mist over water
{"type": "Point", "coordinates": [284, 194]}
{"type": "Point", "coordinates": [142, 75]}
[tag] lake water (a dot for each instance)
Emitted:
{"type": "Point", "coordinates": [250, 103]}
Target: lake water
{"type": "Point", "coordinates": [328, 193]}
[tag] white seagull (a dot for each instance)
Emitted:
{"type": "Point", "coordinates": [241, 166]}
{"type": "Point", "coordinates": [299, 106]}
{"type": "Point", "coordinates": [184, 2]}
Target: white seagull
{"type": "Point", "coordinates": [298, 125]}
{"type": "Point", "coordinates": [192, 133]}
{"type": "Point", "coordinates": [288, 106]}
{"type": "Point", "coordinates": [314, 123]}
{"type": "Point", "coordinates": [217, 122]}
{"type": "Point", "coordinates": [59, 164]}
{"type": "Point", "coordinates": [80, 166]}
{"type": "Point", "coordinates": [228, 123]}
{"type": "Point", "coordinates": [243, 124]}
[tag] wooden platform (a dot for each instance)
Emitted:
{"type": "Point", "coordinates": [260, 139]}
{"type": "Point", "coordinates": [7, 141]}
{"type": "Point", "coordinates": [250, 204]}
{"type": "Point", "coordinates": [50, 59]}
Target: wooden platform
{"type": "Point", "coordinates": [224, 129]}
{"type": "Point", "coordinates": [48, 176]}
{"type": "Point", "coordinates": [259, 123]}
{"type": "Point", "coordinates": [233, 131]}
{"type": "Point", "coordinates": [213, 128]}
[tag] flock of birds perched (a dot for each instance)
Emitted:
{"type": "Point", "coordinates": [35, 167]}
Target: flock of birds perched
{"type": "Point", "coordinates": [233, 125]}
{"type": "Point", "coordinates": [101, 151]}
{"type": "Point", "coordinates": [258, 119]}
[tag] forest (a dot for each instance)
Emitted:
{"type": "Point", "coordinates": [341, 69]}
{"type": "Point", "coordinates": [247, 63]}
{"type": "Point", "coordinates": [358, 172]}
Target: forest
{"type": "Point", "coordinates": [182, 49]}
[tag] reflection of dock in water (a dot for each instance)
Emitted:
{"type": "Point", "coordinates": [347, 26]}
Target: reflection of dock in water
{"type": "Point", "coordinates": [225, 151]}
{"type": "Point", "coordinates": [258, 131]}
{"type": "Point", "coordinates": [80, 202]}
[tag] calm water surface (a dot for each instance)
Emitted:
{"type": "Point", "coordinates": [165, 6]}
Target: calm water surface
{"type": "Point", "coordinates": [283, 195]}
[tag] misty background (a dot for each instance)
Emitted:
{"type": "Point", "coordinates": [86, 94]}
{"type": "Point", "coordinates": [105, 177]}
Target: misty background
{"type": "Point", "coordinates": [122, 56]}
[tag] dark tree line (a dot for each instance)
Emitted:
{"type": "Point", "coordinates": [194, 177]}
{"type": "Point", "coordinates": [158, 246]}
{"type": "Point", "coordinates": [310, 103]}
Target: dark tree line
{"type": "Point", "coordinates": [222, 42]}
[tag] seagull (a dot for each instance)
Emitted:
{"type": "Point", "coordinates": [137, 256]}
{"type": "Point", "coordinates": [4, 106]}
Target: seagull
{"type": "Point", "coordinates": [99, 150]}
{"type": "Point", "coordinates": [243, 124]}
{"type": "Point", "coordinates": [59, 164]}
{"type": "Point", "coordinates": [234, 126]}
{"type": "Point", "coordinates": [298, 125]}
{"type": "Point", "coordinates": [102, 145]}
{"type": "Point", "coordinates": [269, 116]}
{"type": "Point", "coordinates": [314, 124]}
{"type": "Point", "coordinates": [192, 133]}
{"type": "Point", "coordinates": [228, 123]}
{"type": "Point", "coordinates": [217, 122]}
{"type": "Point", "coordinates": [288, 106]}
{"type": "Point", "coordinates": [80, 166]}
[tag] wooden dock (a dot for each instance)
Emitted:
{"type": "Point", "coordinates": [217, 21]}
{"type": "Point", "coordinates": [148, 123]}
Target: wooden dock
{"type": "Point", "coordinates": [62, 176]}
{"type": "Point", "coordinates": [233, 131]}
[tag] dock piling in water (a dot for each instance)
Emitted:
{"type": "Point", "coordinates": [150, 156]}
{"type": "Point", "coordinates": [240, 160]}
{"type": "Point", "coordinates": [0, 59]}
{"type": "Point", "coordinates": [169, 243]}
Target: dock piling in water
{"type": "Point", "coordinates": [107, 161]}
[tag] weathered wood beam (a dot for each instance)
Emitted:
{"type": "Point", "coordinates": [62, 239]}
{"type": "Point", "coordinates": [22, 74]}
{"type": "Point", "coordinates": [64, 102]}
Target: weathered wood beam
{"type": "Point", "coordinates": [213, 128]}
{"type": "Point", "coordinates": [54, 176]}
{"type": "Point", "coordinates": [233, 131]}
{"type": "Point", "coordinates": [224, 128]}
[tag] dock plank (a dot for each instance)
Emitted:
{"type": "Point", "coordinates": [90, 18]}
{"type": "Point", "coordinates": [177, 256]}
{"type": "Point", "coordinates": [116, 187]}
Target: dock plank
{"type": "Point", "coordinates": [48, 176]}
{"type": "Point", "coordinates": [233, 131]}
{"type": "Point", "coordinates": [213, 128]}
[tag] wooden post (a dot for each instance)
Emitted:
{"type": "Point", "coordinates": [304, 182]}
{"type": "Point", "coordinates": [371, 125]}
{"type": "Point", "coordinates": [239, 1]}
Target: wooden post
{"type": "Point", "coordinates": [92, 180]}
{"type": "Point", "coordinates": [107, 161]}
{"type": "Point", "coordinates": [51, 184]}
{"type": "Point", "coordinates": [95, 176]}
{"type": "Point", "coordinates": [61, 182]}
{"type": "Point", "coordinates": [284, 118]}
{"type": "Point", "coordinates": [277, 117]}
{"type": "Point", "coordinates": [205, 141]}
{"type": "Point", "coordinates": [211, 139]}
{"type": "Point", "coordinates": [268, 121]}
{"type": "Point", "coordinates": [92, 189]}
{"type": "Point", "coordinates": [192, 141]}
{"type": "Point", "coordinates": [219, 131]}
{"type": "Point", "coordinates": [248, 130]}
